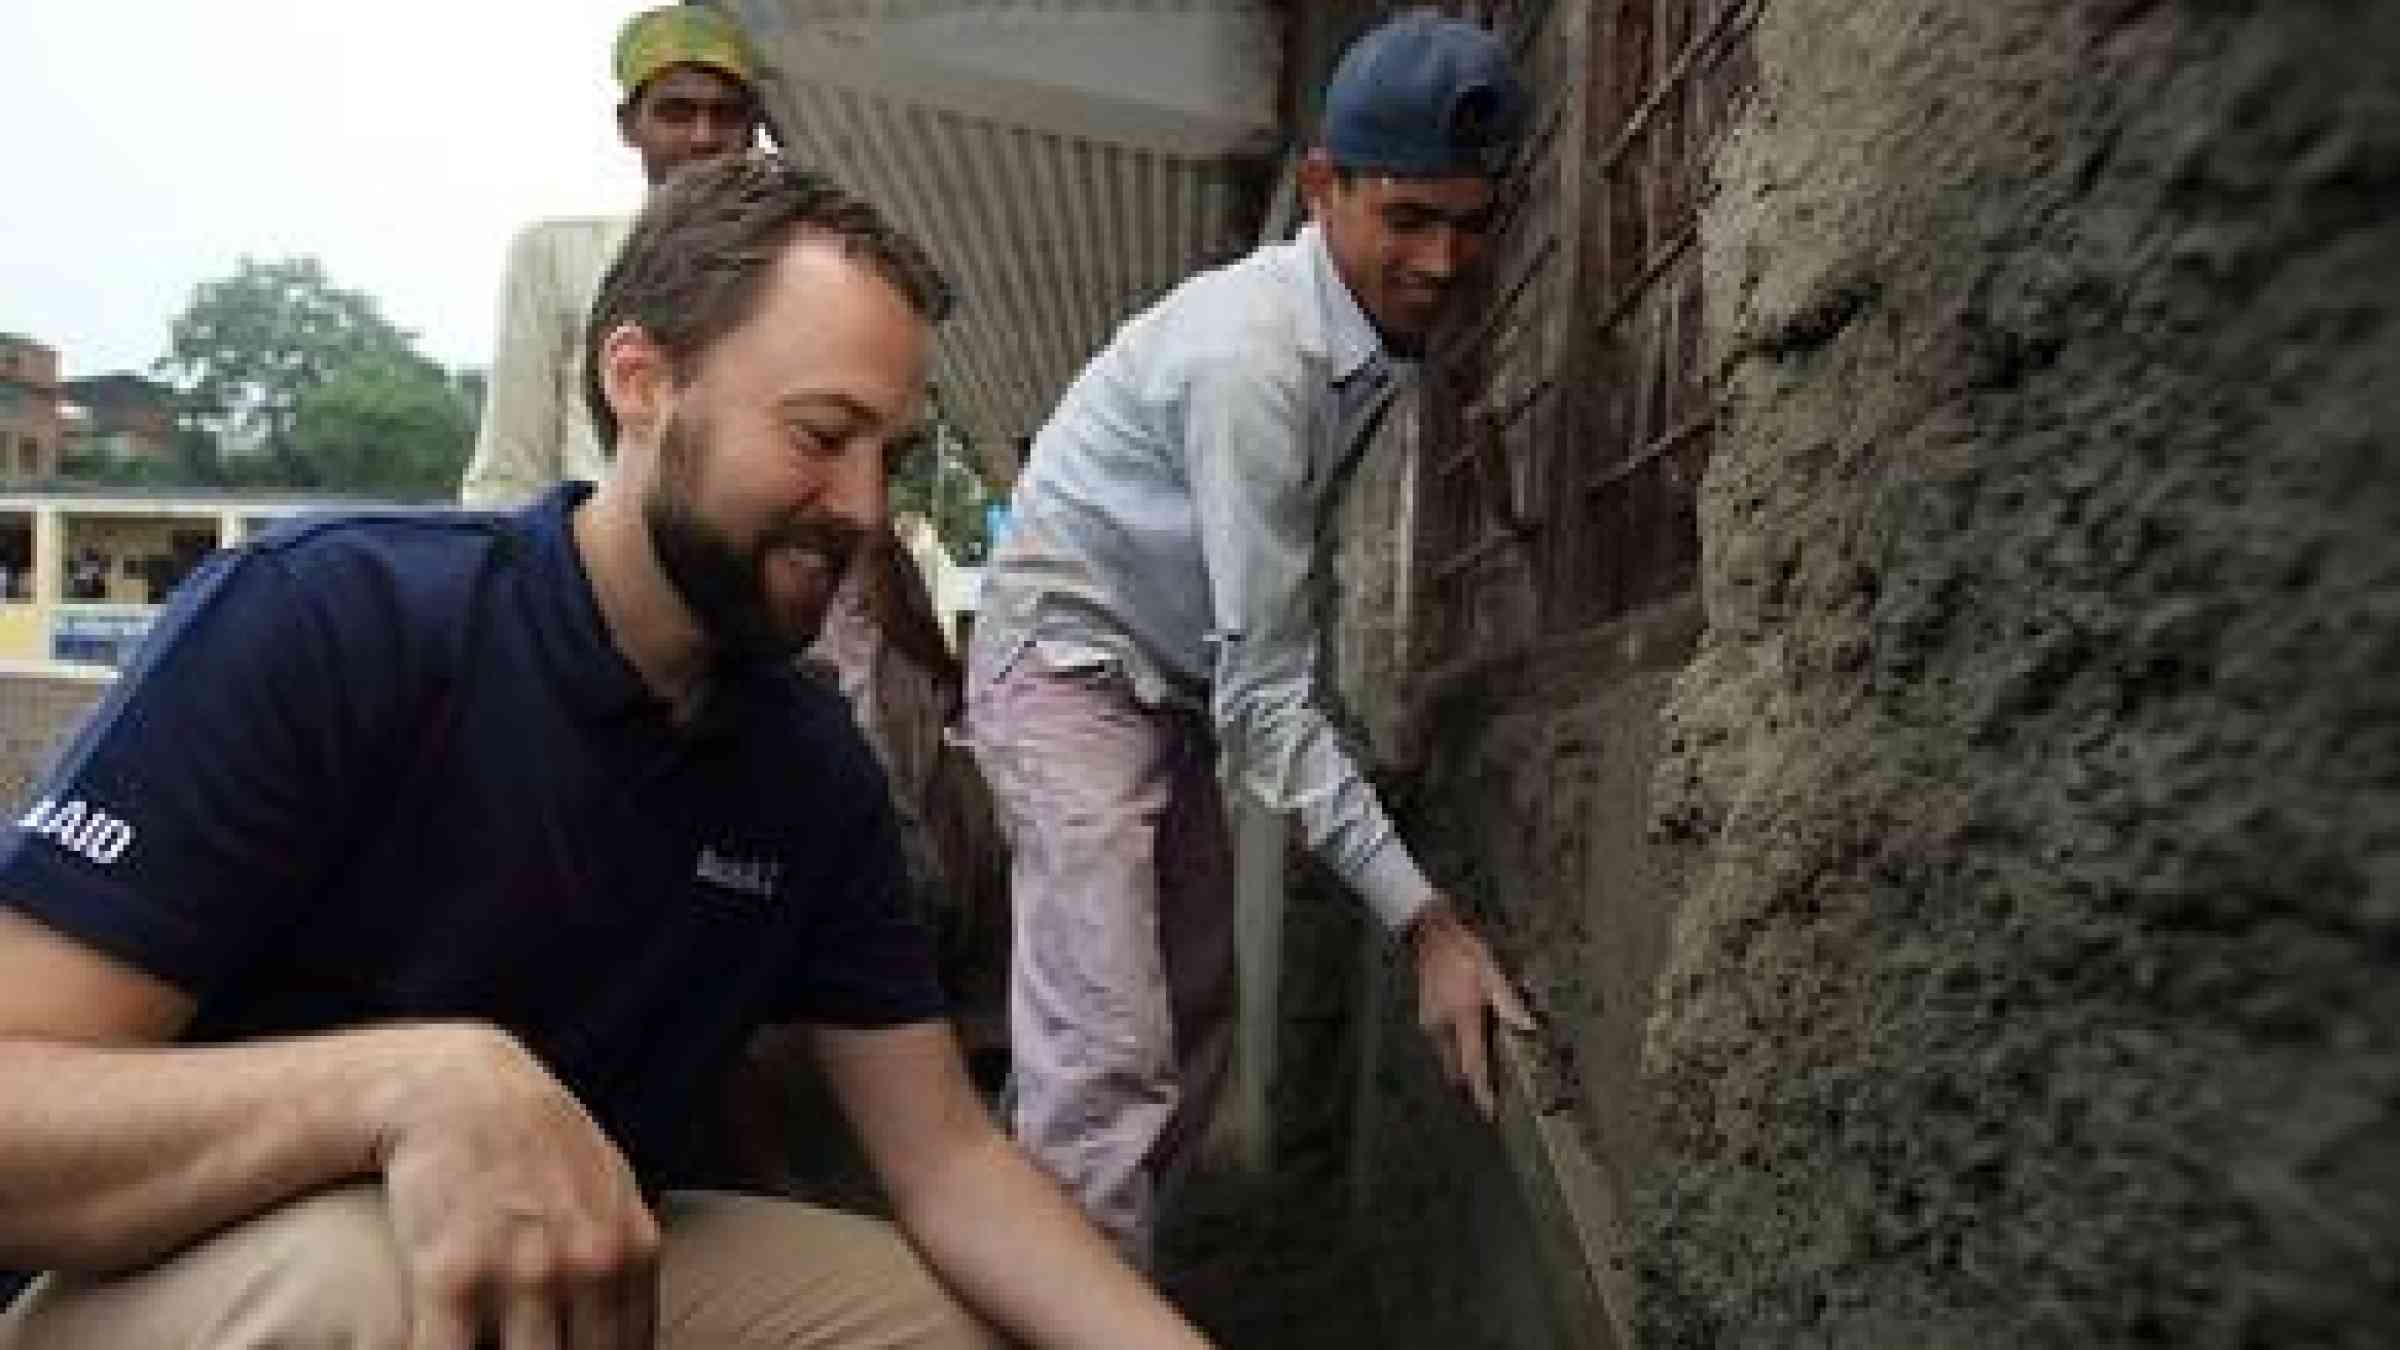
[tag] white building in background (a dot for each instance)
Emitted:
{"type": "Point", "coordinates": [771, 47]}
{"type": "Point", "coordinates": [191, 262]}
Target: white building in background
{"type": "Point", "coordinates": [84, 570]}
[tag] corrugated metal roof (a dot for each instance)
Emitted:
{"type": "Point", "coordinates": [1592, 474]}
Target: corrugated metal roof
{"type": "Point", "coordinates": [1064, 160]}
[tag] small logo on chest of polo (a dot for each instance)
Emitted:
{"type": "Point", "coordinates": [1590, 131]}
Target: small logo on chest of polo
{"type": "Point", "coordinates": [757, 878]}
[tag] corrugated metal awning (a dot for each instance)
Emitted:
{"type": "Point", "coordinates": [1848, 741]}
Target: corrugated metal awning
{"type": "Point", "coordinates": [1064, 160]}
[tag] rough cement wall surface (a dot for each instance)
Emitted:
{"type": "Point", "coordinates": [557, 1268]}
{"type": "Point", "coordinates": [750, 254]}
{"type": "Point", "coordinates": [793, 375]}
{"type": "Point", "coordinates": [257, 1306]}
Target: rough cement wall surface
{"type": "Point", "coordinates": [1530, 806]}
{"type": "Point", "coordinates": [2035, 795]}
{"type": "Point", "coordinates": [36, 714]}
{"type": "Point", "coordinates": [1449, 1251]}
{"type": "Point", "coordinates": [1521, 778]}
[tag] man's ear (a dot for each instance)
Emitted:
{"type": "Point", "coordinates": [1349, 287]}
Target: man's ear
{"type": "Point", "coordinates": [635, 377]}
{"type": "Point", "coordinates": [1317, 180]}
{"type": "Point", "coordinates": [625, 118]}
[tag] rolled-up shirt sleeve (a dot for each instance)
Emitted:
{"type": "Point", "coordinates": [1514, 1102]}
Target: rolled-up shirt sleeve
{"type": "Point", "coordinates": [1247, 457]}
{"type": "Point", "coordinates": [517, 450]}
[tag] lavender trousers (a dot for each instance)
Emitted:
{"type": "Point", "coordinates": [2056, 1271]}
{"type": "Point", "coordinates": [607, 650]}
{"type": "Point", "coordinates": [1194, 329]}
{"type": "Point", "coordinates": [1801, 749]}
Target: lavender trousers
{"type": "Point", "coordinates": [1121, 973]}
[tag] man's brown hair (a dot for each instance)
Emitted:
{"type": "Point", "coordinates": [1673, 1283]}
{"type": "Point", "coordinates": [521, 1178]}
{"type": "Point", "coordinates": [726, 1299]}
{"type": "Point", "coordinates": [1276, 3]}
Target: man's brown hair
{"type": "Point", "coordinates": [698, 258]}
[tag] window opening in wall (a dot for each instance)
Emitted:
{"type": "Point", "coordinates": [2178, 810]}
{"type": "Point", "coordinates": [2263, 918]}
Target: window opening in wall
{"type": "Point", "coordinates": [1568, 413]}
{"type": "Point", "coordinates": [131, 560]}
{"type": "Point", "coordinates": [1494, 380]}
{"type": "Point", "coordinates": [16, 557]}
{"type": "Point", "coordinates": [1662, 107]}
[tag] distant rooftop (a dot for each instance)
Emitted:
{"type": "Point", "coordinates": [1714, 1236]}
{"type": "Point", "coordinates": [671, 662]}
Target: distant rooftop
{"type": "Point", "coordinates": [119, 383]}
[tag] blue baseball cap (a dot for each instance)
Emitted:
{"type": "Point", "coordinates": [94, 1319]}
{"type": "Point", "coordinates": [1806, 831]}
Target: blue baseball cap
{"type": "Point", "coordinates": [1424, 96]}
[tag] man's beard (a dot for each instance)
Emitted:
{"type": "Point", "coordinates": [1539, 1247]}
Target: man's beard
{"type": "Point", "coordinates": [722, 582]}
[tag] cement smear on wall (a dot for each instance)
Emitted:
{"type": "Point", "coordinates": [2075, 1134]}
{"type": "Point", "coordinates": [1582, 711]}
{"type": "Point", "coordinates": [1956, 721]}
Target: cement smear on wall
{"type": "Point", "coordinates": [2035, 796]}
{"type": "Point", "coordinates": [1520, 774]}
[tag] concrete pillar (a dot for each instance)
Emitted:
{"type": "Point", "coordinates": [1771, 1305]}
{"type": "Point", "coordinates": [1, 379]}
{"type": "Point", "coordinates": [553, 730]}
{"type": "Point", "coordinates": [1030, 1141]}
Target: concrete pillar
{"type": "Point", "coordinates": [1258, 844]}
{"type": "Point", "coordinates": [49, 555]}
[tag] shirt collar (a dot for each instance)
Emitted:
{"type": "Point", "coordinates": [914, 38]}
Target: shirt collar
{"type": "Point", "coordinates": [574, 639]}
{"type": "Point", "coordinates": [1351, 341]}
{"type": "Point", "coordinates": [601, 683]}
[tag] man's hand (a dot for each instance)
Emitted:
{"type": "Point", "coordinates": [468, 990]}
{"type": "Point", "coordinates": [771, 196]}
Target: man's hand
{"type": "Point", "coordinates": [1457, 979]}
{"type": "Point", "coordinates": [997, 1231]}
{"type": "Point", "coordinates": [520, 1224]}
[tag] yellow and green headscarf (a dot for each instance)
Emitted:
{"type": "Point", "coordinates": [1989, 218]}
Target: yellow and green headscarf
{"type": "Point", "coordinates": [681, 35]}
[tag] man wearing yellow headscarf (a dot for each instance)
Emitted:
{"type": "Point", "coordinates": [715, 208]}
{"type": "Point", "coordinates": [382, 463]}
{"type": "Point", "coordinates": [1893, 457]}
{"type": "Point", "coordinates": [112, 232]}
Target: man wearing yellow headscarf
{"type": "Point", "coordinates": [689, 77]}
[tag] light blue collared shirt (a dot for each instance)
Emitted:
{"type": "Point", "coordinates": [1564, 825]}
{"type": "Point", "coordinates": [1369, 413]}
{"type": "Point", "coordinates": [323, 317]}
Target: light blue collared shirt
{"type": "Point", "coordinates": [1167, 521]}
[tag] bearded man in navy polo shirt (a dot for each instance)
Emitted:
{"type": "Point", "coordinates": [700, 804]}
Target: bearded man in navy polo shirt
{"type": "Point", "coordinates": [368, 961]}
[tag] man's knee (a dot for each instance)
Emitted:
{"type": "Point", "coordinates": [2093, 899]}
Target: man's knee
{"type": "Point", "coordinates": [917, 1309]}
{"type": "Point", "coordinates": [332, 1276]}
{"type": "Point", "coordinates": [320, 1273]}
{"type": "Point", "coordinates": [776, 1275]}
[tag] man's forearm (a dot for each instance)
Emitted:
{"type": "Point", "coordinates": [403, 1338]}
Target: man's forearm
{"type": "Point", "coordinates": [1018, 1251]}
{"type": "Point", "coordinates": [1287, 753]}
{"type": "Point", "coordinates": [113, 1156]}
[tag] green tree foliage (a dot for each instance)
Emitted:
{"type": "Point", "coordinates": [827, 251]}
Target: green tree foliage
{"type": "Point", "coordinates": [250, 347]}
{"type": "Point", "coordinates": [83, 462]}
{"type": "Point", "coordinates": [934, 480]}
{"type": "Point", "coordinates": [198, 458]}
{"type": "Point", "coordinates": [393, 427]}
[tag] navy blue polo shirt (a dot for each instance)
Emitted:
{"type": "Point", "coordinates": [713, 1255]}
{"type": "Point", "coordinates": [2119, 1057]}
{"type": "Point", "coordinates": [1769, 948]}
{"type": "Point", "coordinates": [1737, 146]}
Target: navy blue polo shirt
{"type": "Point", "coordinates": [391, 767]}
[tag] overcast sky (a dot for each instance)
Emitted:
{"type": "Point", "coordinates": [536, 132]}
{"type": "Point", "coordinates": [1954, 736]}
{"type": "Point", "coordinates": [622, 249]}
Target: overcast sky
{"type": "Point", "coordinates": [151, 143]}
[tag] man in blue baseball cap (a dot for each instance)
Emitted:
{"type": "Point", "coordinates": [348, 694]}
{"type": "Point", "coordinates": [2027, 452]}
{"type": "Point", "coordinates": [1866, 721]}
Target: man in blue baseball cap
{"type": "Point", "coordinates": [1150, 608]}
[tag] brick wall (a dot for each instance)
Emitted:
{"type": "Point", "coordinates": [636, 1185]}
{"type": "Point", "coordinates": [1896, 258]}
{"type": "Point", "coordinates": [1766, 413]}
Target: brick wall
{"type": "Point", "coordinates": [1522, 779]}
{"type": "Point", "coordinates": [29, 423]}
{"type": "Point", "coordinates": [1514, 597]}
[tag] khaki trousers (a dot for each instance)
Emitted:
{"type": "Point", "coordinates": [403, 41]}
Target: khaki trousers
{"type": "Point", "coordinates": [734, 1272]}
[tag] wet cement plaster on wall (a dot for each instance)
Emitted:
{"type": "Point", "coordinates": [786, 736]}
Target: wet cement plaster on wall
{"type": "Point", "coordinates": [2034, 799]}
